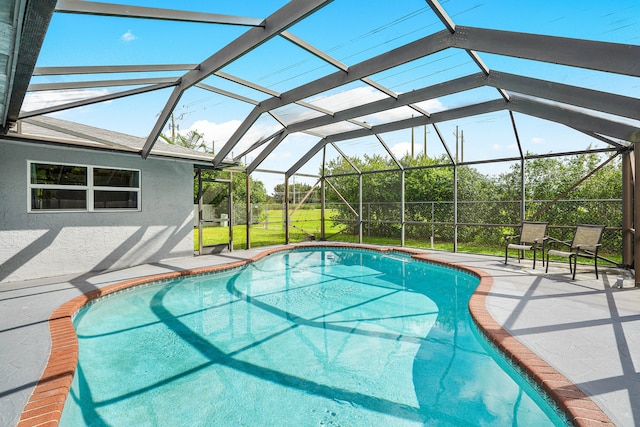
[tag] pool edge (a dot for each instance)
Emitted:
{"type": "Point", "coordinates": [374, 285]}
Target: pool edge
{"type": "Point", "coordinates": [47, 400]}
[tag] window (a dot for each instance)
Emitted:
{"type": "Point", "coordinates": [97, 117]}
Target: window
{"type": "Point", "coordinates": [63, 187]}
{"type": "Point", "coordinates": [115, 188]}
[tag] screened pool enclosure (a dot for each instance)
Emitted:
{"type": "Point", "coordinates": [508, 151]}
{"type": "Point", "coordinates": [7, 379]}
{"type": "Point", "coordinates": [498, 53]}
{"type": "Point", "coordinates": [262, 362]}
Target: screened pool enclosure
{"type": "Point", "coordinates": [413, 123]}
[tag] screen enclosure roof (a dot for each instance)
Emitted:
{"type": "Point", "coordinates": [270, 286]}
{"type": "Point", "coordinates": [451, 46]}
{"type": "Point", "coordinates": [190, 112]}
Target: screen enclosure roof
{"type": "Point", "coordinates": [270, 85]}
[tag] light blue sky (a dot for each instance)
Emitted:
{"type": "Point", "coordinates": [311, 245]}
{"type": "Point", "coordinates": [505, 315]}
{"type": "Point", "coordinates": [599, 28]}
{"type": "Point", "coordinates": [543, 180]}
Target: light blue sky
{"type": "Point", "coordinates": [350, 31]}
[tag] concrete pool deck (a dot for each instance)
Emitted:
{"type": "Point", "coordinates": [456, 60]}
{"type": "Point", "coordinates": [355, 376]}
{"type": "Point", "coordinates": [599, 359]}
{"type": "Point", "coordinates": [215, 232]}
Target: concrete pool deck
{"type": "Point", "coordinates": [586, 329]}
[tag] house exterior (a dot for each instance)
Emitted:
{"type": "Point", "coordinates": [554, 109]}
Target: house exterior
{"type": "Point", "coordinates": [75, 198]}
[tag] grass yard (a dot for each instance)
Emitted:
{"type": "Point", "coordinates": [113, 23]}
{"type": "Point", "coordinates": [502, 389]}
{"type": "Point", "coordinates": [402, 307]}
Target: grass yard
{"type": "Point", "coordinates": [270, 231]}
{"type": "Point", "coordinates": [306, 222]}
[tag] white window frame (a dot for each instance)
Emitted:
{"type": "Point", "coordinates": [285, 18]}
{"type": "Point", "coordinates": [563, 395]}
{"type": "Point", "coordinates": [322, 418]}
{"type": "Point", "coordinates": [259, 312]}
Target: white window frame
{"type": "Point", "coordinates": [89, 188]}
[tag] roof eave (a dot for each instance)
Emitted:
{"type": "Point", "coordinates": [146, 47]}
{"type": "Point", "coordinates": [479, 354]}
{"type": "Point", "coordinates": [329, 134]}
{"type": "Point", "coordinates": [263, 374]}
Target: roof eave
{"type": "Point", "coordinates": [204, 159]}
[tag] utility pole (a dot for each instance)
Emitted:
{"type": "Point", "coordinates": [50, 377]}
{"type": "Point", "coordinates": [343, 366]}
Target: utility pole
{"type": "Point", "coordinates": [294, 191]}
{"type": "Point", "coordinates": [462, 146]}
{"type": "Point", "coordinates": [412, 148]}
{"type": "Point", "coordinates": [173, 129]}
{"type": "Point", "coordinates": [425, 142]}
{"type": "Point", "coordinates": [459, 144]}
{"type": "Point", "coordinates": [456, 134]}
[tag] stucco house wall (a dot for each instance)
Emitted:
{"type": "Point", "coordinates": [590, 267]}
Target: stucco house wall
{"type": "Point", "coordinates": [40, 244]}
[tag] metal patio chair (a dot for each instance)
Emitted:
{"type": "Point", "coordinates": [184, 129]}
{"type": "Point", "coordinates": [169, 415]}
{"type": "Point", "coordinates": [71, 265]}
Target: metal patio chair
{"type": "Point", "coordinates": [585, 244]}
{"type": "Point", "coordinates": [531, 238]}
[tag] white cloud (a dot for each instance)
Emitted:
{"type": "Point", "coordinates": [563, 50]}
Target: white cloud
{"type": "Point", "coordinates": [220, 133]}
{"type": "Point", "coordinates": [496, 147]}
{"type": "Point", "coordinates": [431, 105]}
{"type": "Point", "coordinates": [402, 113]}
{"type": "Point", "coordinates": [537, 140]}
{"type": "Point", "coordinates": [128, 36]}
{"type": "Point", "coordinates": [288, 152]}
{"type": "Point", "coordinates": [364, 95]}
{"type": "Point", "coordinates": [37, 100]}
{"type": "Point", "coordinates": [285, 155]}
{"type": "Point", "coordinates": [349, 98]}
{"type": "Point", "coordinates": [401, 149]}
{"type": "Point", "coordinates": [388, 116]}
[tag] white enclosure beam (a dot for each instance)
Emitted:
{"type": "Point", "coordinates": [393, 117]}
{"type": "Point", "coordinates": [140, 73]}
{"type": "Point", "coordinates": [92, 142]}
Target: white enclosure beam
{"type": "Point", "coordinates": [279, 21]}
{"type": "Point", "coordinates": [453, 114]}
{"type": "Point", "coordinates": [242, 129]}
{"type": "Point", "coordinates": [226, 93]}
{"type": "Point", "coordinates": [127, 11]}
{"type": "Point", "coordinates": [94, 100]}
{"type": "Point", "coordinates": [615, 144]}
{"type": "Point", "coordinates": [442, 14]}
{"type": "Point", "coordinates": [304, 159]}
{"type": "Point", "coordinates": [571, 118]}
{"type": "Point", "coordinates": [313, 50]}
{"type": "Point", "coordinates": [344, 156]}
{"type": "Point", "coordinates": [441, 116]}
{"type": "Point", "coordinates": [37, 87]}
{"type": "Point", "coordinates": [605, 102]}
{"type": "Point", "coordinates": [259, 143]}
{"type": "Point", "coordinates": [611, 57]}
{"type": "Point", "coordinates": [389, 152]}
{"type": "Point", "coordinates": [417, 49]}
{"type": "Point", "coordinates": [107, 69]}
{"type": "Point", "coordinates": [594, 55]}
{"type": "Point", "coordinates": [442, 89]}
{"type": "Point", "coordinates": [246, 83]}
{"type": "Point", "coordinates": [574, 118]}
{"type": "Point", "coordinates": [267, 150]}
{"type": "Point", "coordinates": [393, 58]}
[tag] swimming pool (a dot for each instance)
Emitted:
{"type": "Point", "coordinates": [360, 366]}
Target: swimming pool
{"type": "Point", "coordinates": [320, 336]}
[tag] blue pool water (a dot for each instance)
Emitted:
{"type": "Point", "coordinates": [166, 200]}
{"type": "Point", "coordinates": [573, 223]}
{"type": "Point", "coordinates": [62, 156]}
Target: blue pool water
{"type": "Point", "coordinates": [311, 337]}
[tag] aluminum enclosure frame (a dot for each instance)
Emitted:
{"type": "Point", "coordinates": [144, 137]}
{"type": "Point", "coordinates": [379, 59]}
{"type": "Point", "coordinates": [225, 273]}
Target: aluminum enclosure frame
{"type": "Point", "coordinates": [571, 106]}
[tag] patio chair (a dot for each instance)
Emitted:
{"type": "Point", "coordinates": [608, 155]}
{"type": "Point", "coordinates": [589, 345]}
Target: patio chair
{"type": "Point", "coordinates": [585, 244]}
{"type": "Point", "coordinates": [531, 238]}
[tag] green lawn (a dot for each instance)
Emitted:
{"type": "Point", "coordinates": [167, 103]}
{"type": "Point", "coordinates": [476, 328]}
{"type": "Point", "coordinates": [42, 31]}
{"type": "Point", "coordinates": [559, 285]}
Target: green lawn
{"type": "Point", "coordinates": [306, 222]}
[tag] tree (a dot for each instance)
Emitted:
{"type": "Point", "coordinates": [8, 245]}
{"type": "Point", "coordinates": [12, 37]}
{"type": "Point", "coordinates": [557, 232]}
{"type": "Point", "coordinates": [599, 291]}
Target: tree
{"type": "Point", "coordinates": [238, 188]}
{"type": "Point", "coordinates": [382, 190]}
{"type": "Point", "coordinates": [548, 178]}
{"type": "Point", "coordinates": [193, 140]}
{"type": "Point", "coordinates": [298, 189]}
{"type": "Point", "coordinates": [482, 199]}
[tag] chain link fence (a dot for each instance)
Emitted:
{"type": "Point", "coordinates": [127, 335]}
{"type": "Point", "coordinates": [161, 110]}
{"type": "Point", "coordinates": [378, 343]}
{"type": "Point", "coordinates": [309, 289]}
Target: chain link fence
{"type": "Point", "coordinates": [481, 225]}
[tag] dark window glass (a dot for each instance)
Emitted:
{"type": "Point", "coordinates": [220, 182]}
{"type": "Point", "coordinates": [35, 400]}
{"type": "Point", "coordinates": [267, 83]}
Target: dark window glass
{"type": "Point", "coordinates": [51, 199]}
{"type": "Point", "coordinates": [58, 174]}
{"type": "Point", "coordinates": [115, 178]}
{"type": "Point", "coordinates": [115, 199]}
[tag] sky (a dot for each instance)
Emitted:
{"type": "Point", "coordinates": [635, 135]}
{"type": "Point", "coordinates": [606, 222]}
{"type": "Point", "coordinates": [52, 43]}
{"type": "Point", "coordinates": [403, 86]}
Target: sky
{"type": "Point", "coordinates": [350, 31]}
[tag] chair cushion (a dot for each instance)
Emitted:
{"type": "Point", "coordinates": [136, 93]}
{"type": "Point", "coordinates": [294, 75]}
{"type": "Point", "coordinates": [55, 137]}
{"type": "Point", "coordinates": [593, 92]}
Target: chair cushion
{"type": "Point", "coordinates": [559, 253]}
{"type": "Point", "coordinates": [520, 247]}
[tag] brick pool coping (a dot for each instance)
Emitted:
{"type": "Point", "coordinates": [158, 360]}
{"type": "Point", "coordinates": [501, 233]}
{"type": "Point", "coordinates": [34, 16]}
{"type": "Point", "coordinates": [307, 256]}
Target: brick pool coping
{"type": "Point", "coordinates": [46, 403]}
